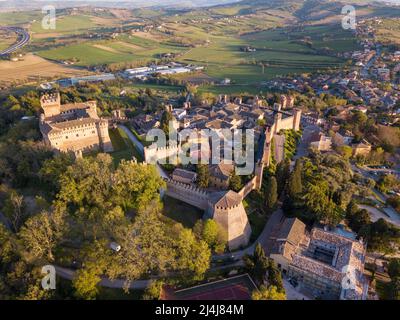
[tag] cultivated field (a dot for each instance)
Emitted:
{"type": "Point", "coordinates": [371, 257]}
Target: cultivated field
{"type": "Point", "coordinates": [34, 68]}
{"type": "Point", "coordinates": [6, 39]}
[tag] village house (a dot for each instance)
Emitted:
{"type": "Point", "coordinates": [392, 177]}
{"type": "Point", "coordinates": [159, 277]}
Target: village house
{"type": "Point", "coordinates": [328, 264]}
{"type": "Point", "coordinates": [362, 148]}
{"type": "Point", "coordinates": [320, 142]}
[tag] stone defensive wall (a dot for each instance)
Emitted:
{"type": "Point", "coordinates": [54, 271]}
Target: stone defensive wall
{"type": "Point", "coordinates": [187, 193]}
{"type": "Point", "coordinates": [153, 153]}
{"type": "Point", "coordinates": [250, 186]}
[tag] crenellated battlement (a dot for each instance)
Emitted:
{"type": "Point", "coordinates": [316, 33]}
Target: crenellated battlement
{"type": "Point", "coordinates": [153, 153]}
{"type": "Point", "coordinates": [188, 187]}
{"type": "Point", "coordinates": [50, 99]}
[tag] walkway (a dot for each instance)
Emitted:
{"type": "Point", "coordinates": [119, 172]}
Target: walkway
{"type": "Point", "coordinates": [389, 214]}
{"type": "Point", "coordinates": [133, 138]}
{"type": "Point", "coordinates": [137, 284]}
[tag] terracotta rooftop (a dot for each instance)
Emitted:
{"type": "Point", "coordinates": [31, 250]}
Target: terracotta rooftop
{"type": "Point", "coordinates": [74, 123]}
{"type": "Point", "coordinates": [222, 170]}
{"type": "Point", "coordinates": [226, 199]}
{"type": "Point", "coordinates": [74, 106]}
{"type": "Point", "coordinates": [184, 174]}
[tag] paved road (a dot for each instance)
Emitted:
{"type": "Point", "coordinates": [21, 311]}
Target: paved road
{"type": "Point", "coordinates": [389, 214]}
{"type": "Point", "coordinates": [138, 284]}
{"type": "Point", "coordinates": [279, 147]}
{"type": "Point", "coordinates": [302, 148]}
{"type": "Point", "coordinates": [24, 39]}
{"type": "Point", "coordinates": [132, 137]}
{"type": "Point", "coordinates": [140, 148]}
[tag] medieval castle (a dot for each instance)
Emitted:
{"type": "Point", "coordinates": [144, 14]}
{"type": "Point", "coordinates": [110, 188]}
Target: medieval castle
{"type": "Point", "coordinates": [73, 127]}
{"type": "Point", "coordinates": [218, 202]}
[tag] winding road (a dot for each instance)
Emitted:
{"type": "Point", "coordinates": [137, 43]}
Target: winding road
{"type": "Point", "coordinates": [23, 39]}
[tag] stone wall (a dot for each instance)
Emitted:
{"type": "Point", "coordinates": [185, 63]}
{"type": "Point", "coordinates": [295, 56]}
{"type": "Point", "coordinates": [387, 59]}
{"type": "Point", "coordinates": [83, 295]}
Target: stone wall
{"type": "Point", "coordinates": [187, 193]}
{"type": "Point", "coordinates": [153, 153]}
{"type": "Point", "coordinates": [250, 186]}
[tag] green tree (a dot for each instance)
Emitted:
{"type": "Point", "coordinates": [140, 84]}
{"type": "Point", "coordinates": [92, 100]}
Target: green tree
{"type": "Point", "coordinates": [270, 293]}
{"type": "Point", "coordinates": [282, 175]}
{"type": "Point", "coordinates": [146, 247]}
{"type": "Point", "coordinates": [235, 182]}
{"type": "Point", "coordinates": [214, 235]}
{"type": "Point", "coordinates": [271, 193]}
{"type": "Point", "coordinates": [166, 118]}
{"type": "Point", "coordinates": [394, 289]}
{"type": "Point", "coordinates": [358, 220]}
{"type": "Point", "coordinates": [42, 233]}
{"type": "Point", "coordinates": [381, 236]}
{"type": "Point", "coordinates": [295, 181]}
{"type": "Point", "coordinates": [53, 168]}
{"type": "Point", "coordinates": [193, 256]}
{"type": "Point", "coordinates": [274, 276]}
{"type": "Point", "coordinates": [257, 264]}
{"type": "Point", "coordinates": [203, 176]}
{"type": "Point", "coordinates": [86, 282]}
{"type": "Point", "coordinates": [394, 268]}
{"type": "Point", "coordinates": [345, 151]}
{"type": "Point", "coordinates": [14, 209]}
{"type": "Point", "coordinates": [153, 291]}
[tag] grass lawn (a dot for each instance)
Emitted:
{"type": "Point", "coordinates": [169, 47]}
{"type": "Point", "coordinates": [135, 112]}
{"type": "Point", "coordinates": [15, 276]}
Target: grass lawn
{"type": "Point", "coordinates": [123, 147]}
{"type": "Point", "coordinates": [257, 218]}
{"type": "Point", "coordinates": [66, 24]}
{"type": "Point", "coordinates": [181, 212]}
{"type": "Point", "coordinates": [14, 18]}
{"type": "Point", "coordinates": [141, 138]}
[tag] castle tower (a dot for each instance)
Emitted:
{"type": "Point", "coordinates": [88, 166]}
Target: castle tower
{"type": "Point", "coordinates": [226, 208]}
{"type": "Point", "coordinates": [277, 107]}
{"type": "Point", "coordinates": [278, 121]}
{"type": "Point", "coordinates": [51, 104]}
{"type": "Point", "coordinates": [169, 108]}
{"type": "Point", "coordinates": [104, 138]}
{"type": "Point", "coordinates": [283, 101]}
{"type": "Point", "coordinates": [290, 103]}
{"type": "Point", "coordinates": [297, 119]}
{"type": "Point", "coordinates": [257, 102]}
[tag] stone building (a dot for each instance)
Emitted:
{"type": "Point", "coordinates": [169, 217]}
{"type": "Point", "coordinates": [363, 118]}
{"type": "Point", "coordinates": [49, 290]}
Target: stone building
{"type": "Point", "coordinates": [327, 264]}
{"type": "Point", "coordinates": [220, 175]}
{"type": "Point", "coordinates": [73, 127]}
{"type": "Point", "coordinates": [226, 208]}
{"type": "Point", "coordinates": [362, 148]}
{"type": "Point", "coordinates": [184, 176]}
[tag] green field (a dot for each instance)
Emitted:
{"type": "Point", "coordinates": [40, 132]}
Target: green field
{"type": "Point", "coordinates": [199, 37]}
{"type": "Point", "coordinates": [123, 147]}
{"type": "Point", "coordinates": [66, 24]}
{"type": "Point", "coordinates": [14, 18]}
{"type": "Point", "coordinates": [181, 212]}
{"type": "Point", "coordinates": [279, 52]}
{"type": "Point", "coordinates": [122, 49]}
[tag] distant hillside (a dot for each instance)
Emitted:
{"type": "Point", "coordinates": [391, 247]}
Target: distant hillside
{"type": "Point", "coordinates": [22, 5]}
